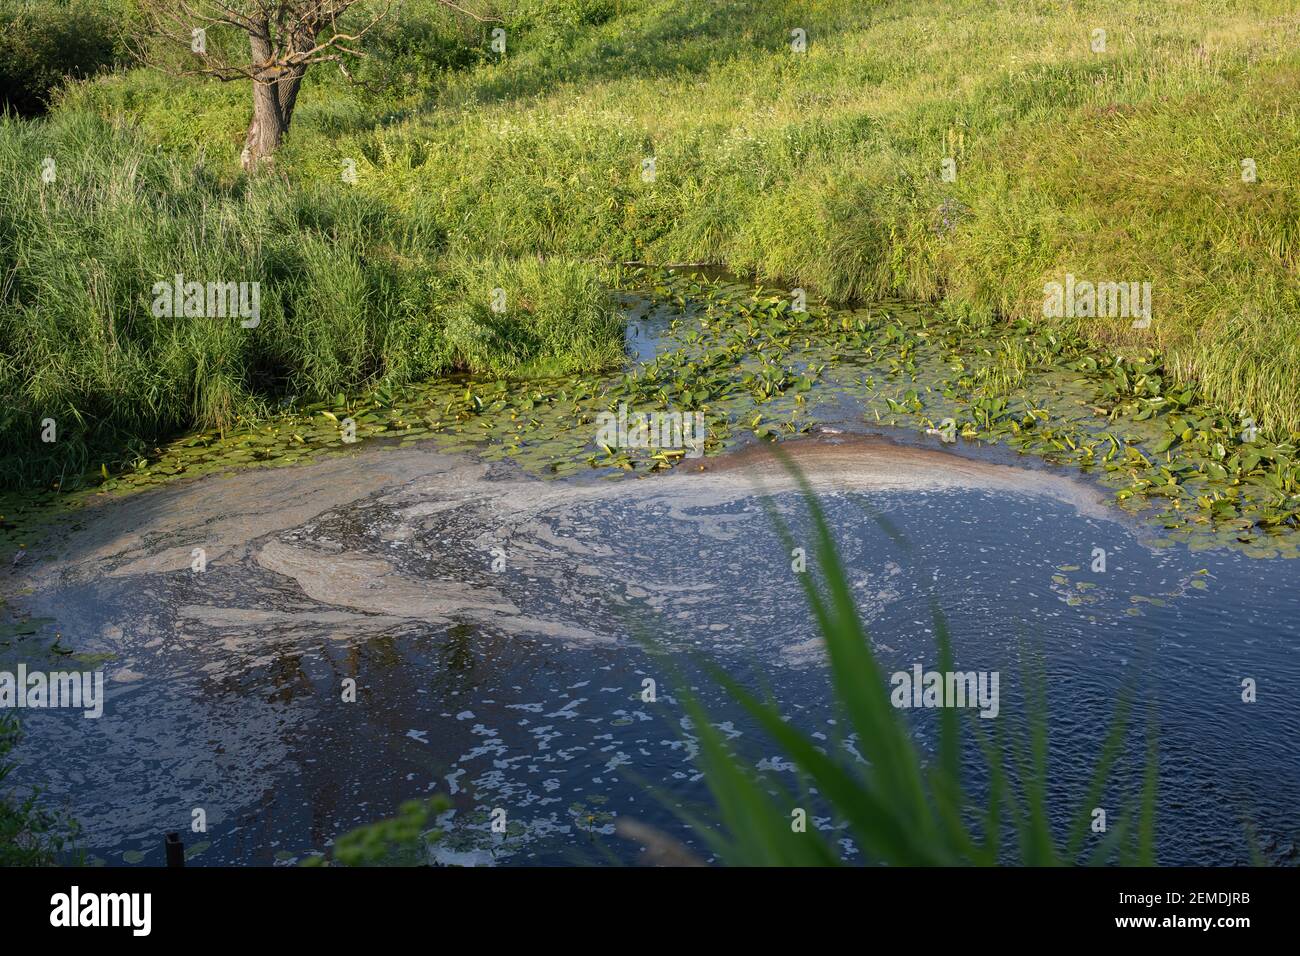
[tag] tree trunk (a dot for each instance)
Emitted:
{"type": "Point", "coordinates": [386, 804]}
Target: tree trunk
{"type": "Point", "coordinates": [275, 92]}
{"type": "Point", "coordinates": [266, 128]}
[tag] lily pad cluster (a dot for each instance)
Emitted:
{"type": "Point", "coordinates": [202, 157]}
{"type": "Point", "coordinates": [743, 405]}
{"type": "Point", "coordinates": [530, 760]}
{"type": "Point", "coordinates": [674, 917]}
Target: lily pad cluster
{"type": "Point", "coordinates": [760, 368]}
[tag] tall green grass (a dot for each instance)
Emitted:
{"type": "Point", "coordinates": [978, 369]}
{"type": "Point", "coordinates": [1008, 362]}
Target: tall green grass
{"type": "Point", "coordinates": [351, 295]}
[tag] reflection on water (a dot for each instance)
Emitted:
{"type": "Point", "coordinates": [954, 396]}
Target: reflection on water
{"type": "Point", "coordinates": [226, 688]}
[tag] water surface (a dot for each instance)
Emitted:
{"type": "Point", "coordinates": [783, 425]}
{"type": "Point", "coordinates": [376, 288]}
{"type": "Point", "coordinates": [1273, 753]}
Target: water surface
{"type": "Point", "coordinates": [522, 689]}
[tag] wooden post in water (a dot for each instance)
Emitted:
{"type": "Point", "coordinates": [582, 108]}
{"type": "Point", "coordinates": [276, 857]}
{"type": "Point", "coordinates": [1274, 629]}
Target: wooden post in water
{"type": "Point", "coordinates": [175, 849]}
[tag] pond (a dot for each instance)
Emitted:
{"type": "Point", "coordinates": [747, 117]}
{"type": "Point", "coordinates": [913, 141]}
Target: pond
{"type": "Point", "coordinates": [447, 615]}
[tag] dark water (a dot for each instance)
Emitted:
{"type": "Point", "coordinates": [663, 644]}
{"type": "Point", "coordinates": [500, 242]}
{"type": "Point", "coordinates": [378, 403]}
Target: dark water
{"type": "Point", "coordinates": [253, 731]}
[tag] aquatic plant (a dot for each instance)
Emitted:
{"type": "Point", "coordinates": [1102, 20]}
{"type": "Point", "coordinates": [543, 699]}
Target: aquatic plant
{"type": "Point", "coordinates": [30, 833]}
{"type": "Point", "coordinates": [400, 840]}
{"type": "Point", "coordinates": [741, 357]}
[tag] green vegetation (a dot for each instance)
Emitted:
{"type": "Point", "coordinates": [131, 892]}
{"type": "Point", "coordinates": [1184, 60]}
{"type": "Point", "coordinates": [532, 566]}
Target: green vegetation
{"type": "Point", "coordinates": [524, 173]}
{"type": "Point", "coordinates": [346, 300]}
{"type": "Point", "coordinates": [30, 834]}
{"type": "Point", "coordinates": [44, 42]}
{"type": "Point", "coordinates": [820, 168]}
{"type": "Point", "coordinates": [401, 840]}
{"type": "Point", "coordinates": [755, 368]}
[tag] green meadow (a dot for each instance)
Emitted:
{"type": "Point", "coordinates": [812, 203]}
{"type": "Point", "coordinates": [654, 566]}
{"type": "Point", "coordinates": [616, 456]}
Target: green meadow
{"type": "Point", "coordinates": [526, 171]}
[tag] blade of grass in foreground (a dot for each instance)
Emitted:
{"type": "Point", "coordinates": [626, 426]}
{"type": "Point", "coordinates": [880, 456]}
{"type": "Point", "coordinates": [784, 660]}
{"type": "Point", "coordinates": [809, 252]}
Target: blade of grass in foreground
{"type": "Point", "coordinates": [897, 809]}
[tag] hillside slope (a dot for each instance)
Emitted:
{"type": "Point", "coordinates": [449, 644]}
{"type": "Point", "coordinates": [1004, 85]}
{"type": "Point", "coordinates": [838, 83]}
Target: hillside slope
{"type": "Point", "coordinates": [1122, 161]}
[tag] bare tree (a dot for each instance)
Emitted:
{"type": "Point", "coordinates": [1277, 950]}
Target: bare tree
{"type": "Point", "coordinates": [285, 38]}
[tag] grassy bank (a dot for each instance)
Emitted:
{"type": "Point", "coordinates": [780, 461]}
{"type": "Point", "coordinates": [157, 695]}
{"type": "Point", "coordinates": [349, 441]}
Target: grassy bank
{"type": "Point", "coordinates": [821, 168]}
{"type": "Point", "coordinates": [348, 297]}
